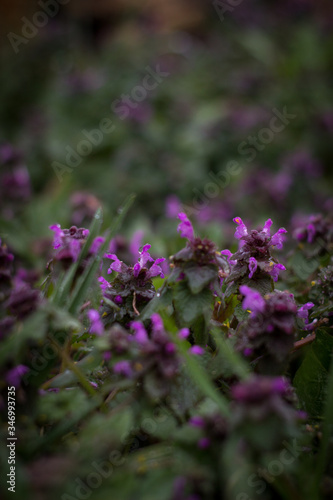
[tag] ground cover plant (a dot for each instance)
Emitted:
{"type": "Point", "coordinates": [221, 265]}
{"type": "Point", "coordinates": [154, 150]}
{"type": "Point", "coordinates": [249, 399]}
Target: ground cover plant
{"type": "Point", "coordinates": [166, 268]}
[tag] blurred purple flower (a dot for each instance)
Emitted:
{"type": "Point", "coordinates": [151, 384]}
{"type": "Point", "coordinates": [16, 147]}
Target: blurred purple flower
{"type": "Point", "coordinates": [14, 376]}
{"type": "Point", "coordinates": [197, 350]}
{"type": "Point", "coordinates": [173, 206]}
{"type": "Point", "coordinates": [253, 300]}
{"type": "Point", "coordinates": [96, 244]}
{"type": "Point", "coordinates": [123, 368]}
{"type": "Point", "coordinates": [185, 228]}
{"type": "Point", "coordinates": [303, 311]}
{"type": "Point", "coordinates": [96, 323]}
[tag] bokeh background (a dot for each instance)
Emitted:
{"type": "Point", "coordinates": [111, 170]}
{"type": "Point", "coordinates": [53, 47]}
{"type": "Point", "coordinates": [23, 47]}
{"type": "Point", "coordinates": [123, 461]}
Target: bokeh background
{"type": "Point", "coordinates": [229, 65]}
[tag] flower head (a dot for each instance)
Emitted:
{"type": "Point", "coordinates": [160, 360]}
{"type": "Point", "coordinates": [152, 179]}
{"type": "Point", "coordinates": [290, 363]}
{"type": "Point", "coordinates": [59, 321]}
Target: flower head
{"type": "Point", "coordinates": [144, 258]}
{"type": "Point", "coordinates": [241, 230]}
{"type": "Point", "coordinates": [69, 242]}
{"type": "Point", "coordinates": [254, 252]}
{"type": "Point", "coordinates": [275, 269]}
{"type": "Point", "coordinates": [269, 332]}
{"type": "Point", "coordinates": [303, 311]}
{"type": "Point", "coordinates": [278, 238]}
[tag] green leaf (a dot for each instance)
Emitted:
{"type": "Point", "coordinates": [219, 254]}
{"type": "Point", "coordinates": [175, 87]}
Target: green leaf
{"type": "Point", "coordinates": [201, 378]}
{"type": "Point", "coordinates": [263, 283]}
{"type": "Point", "coordinates": [103, 429]}
{"type": "Point", "coordinates": [188, 305]}
{"type": "Point", "coordinates": [33, 328]}
{"type": "Point", "coordinates": [311, 378]}
{"type": "Point", "coordinates": [199, 276]}
{"type": "Point", "coordinates": [302, 266]}
{"type": "Point", "coordinates": [230, 358]}
{"type": "Point", "coordinates": [162, 299]}
{"type": "Point", "coordinates": [68, 377]}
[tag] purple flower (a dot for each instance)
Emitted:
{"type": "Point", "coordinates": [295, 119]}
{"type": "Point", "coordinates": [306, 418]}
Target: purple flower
{"type": "Point", "coordinates": [253, 300]}
{"type": "Point", "coordinates": [172, 206]}
{"type": "Point", "coordinates": [204, 443]}
{"type": "Point", "coordinates": [104, 284]}
{"type": "Point", "coordinates": [229, 254]}
{"type": "Point", "coordinates": [107, 356]}
{"type": "Point", "coordinates": [258, 389]}
{"type": "Point", "coordinates": [267, 227]}
{"type": "Point", "coordinates": [145, 257]}
{"type": "Point", "coordinates": [252, 266]}
{"type": "Point", "coordinates": [197, 421]}
{"type": "Point", "coordinates": [136, 243]}
{"type": "Point", "coordinates": [303, 311]}
{"type": "Point", "coordinates": [241, 229]}
{"type": "Point", "coordinates": [315, 227]}
{"type": "Point", "coordinates": [123, 368]}
{"type": "Point", "coordinates": [196, 350]}
{"type": "Point", "coordinates": [185, 228]}
{"type": "Point", "coordinates": [58, 235]}
{"type": "Point", "coordinates": [14, 376]}
{"type": "Point", "coordinates": [96, 323]}
{"type": "Point", "coordinates": [140, 332]}
{"type": "Point", "coordinates": [155, 269]}
{"type": "Point", "coordinates": [68, 241]}
{"type": "Point", "coordinates": [118, 300]}
{"type": "Point", "coordinates": [117, 265]}
{"type": "Point", "coordinates": [157, 322]}
{"type": "Point", "coordinates": [275, 270]}
{"type": "Point", "coordinates": [268, 334]}
{"type": "Point", "coordinates": [183, 333]}
{"type": "Point", "coordinates": [278, 238]}
{"type": "Point", "coordinates": [96, 245]}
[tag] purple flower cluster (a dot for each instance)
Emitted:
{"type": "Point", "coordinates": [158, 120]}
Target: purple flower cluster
{"type": "Point", "coordinates": [315, 228]}
{"type": "Point", "coordinates": [269, 332]}
{"type": "Point", "coordinates": [265, 401]}
{"type": "Point", "coordinates": [148, 353]}
{"type": "Point", "coordinates": [69, 242]}
{"type": "Point", "coordinates": [132, 288]}
{"type": "Point", "coordinates": [152, 355]}
{"type": "Point", "coordinates": [254, 255]}
{"type": "Point", "coordinates": [140, 269]}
